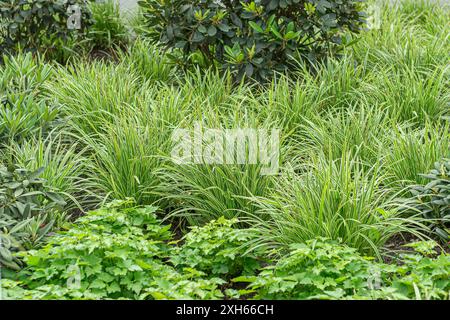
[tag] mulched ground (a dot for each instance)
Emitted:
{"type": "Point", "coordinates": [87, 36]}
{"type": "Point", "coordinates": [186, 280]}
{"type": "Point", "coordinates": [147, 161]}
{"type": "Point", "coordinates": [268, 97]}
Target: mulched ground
{"type": "Point", "coordinates": [396, 246]}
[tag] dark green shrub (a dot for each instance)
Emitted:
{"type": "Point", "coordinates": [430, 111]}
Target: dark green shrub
{"type": "Point", "coordinates": [26, 208]}
{"type": "Point", "coordinates": [253, 38]}
{"type": "Point", "coordinates": [433, 199]}
{"type": "Point", "coordinates": [40, 25]}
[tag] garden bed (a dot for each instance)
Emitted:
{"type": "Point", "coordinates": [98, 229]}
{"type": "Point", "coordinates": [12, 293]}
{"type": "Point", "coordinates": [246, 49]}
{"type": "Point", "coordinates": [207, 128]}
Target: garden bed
{"type": "Point", "coordinates": [96, 203]}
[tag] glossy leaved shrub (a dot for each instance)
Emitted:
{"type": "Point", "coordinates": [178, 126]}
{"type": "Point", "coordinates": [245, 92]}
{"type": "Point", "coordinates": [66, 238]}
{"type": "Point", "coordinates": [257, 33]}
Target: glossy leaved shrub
{"type": "Point", "coordinates": [45, 26]}
{"type": "Point", "coordinates": [253, 38]}
{"type": "Point", "coordinates": [27, 212]}
{"type": "Point", "coordinates": [432, 200]}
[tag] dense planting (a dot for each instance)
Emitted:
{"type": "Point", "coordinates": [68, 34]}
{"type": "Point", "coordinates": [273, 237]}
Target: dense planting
{"type": "Point", "coordinates": [122, 253]}
{"type": "Point", "coordinates": [93, 204]}
{"type": "Point", "coordinates": [433, 199]}
{"type": "Point", "coordinates": [111, 254]}
{"type": "Point", "coordinates": [27, 211]}
{"type": "Point", "coordinates": [327, 270]}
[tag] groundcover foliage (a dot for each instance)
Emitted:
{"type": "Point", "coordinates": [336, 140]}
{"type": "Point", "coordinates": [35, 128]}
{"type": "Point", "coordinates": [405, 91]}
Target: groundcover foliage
{"type": "Point", "coordinates": [127, 253]}
{"type": "Point", "coordinates": [321, 269]}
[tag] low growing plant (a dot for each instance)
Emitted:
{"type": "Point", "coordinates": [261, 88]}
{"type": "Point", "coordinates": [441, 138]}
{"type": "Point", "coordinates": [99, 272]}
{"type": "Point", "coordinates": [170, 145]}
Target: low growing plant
{"type": "Point", "coordinates": [113, 253]}
{"type": "Point", "coordinates": [24, 111]}
{"type": "Point", "coordinates": [217, 249]}
{"type": "Point", "coordinates": [432, 200]}
{"type": "Point", "coordinates": [27, 211]}
{"type": "Point", "coordinates": [124, 252]}
{"type": "Point", "coordinates": [317, 269]}
{"type": "Point", "coordinates": [324, 269]}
